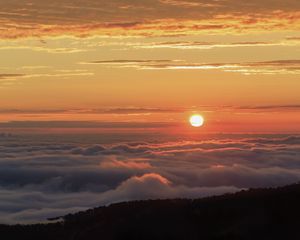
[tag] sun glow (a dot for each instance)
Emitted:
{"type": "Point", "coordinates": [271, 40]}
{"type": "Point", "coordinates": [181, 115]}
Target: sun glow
{"type": "Point", "coordinates": [196, 120]}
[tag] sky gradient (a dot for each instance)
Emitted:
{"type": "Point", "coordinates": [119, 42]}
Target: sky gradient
{"type": "Point", "coordinates": [236, 62]}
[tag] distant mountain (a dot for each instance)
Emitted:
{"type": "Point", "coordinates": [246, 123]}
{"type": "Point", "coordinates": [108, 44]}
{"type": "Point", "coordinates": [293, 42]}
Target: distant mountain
{"type": "Point", "coordinates": [254, 214]}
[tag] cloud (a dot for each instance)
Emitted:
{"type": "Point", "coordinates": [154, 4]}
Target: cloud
{"type": "Point", "coordinates": [192, 45]}
{"type": "Point", "coordinates": [267, 67]}
{"type": "Point", "coordinates": [147, 18]}
{"type": "Point", "coordinates": [293, 39]}
{"type": "Point", "coordinates": [295, 107]}
{"type": "Point", "coordinates": [41, 179]}
{"type": "Point", "coordinates": [186, 45]}
{"type": "Point", "coordinates": [83, 124]}
{"type": "Point", "coordinates": [7, 76]}
{"type": "Point", "coordinates": [67, 73]}
{"type": "Point", "coordinates": [31, 205]}
{"type": "Point", "coordinates": [190, 4]}
{"type": "Point", "coordinates": [128, 61]}
{"type": "Point", "coordinates": [54, 50]}
{"type": "Point", "coordinates": [113, 110]}
{"type": "Point", "coordinates": [129, 164]}
{"type": "Point", "coordinates": [153, 186]}
{"type": "Point", "coordinates": [142, 111]}
{"type": "Point", "coordinates": [9, 79]}
{"type": "Point", "coordinates": [289, 66]}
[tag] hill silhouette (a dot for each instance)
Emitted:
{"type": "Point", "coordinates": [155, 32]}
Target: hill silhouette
{"type": "Point", "coordinates": [272, 213]}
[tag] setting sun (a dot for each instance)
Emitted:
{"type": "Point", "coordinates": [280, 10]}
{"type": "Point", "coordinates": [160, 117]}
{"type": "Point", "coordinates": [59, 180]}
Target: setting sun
{"type": "Point", "coordinates": [196, 120]}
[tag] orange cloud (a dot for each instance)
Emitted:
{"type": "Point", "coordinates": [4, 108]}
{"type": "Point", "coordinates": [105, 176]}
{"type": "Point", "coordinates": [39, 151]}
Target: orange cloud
{"type": "Point", "coordinates": [146, 18]}
{"type": "Point", "coordinates": [125, 164]}
{"type": "Point", "coordinates": [247, 68]}
{"type": "Point", "coordinates": [185, 45]}
{"type": "Point", "coordinates": [151, 177]}
{"type": "Point", "coordinates": [7, 76]}
{"type": "Point", "coordinates": [185, 3]}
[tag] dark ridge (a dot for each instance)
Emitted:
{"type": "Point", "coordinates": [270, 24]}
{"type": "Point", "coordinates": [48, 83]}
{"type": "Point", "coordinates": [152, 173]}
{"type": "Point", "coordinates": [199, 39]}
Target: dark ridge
{"type": "Point", "coordinates": [272, 213]}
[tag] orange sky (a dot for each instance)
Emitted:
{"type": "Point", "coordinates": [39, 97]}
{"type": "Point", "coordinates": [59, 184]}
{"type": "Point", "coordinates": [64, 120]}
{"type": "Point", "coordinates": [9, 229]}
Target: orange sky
{"type": "Point", "coordinates": [235, 62]}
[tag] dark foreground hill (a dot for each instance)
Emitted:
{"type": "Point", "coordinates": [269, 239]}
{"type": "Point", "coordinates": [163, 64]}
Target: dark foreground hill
{"type": "Point", "coordinates": [254, 214]}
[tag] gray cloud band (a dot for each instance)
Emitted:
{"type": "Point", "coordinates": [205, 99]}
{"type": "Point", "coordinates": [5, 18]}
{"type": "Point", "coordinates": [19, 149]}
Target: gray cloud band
{"type": "Point", "coordinates": [43, 179]}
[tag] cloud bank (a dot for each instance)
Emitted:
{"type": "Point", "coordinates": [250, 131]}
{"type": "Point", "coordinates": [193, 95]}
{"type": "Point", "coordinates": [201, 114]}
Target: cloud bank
{"type": "Point", "coordinates": [41, 179]}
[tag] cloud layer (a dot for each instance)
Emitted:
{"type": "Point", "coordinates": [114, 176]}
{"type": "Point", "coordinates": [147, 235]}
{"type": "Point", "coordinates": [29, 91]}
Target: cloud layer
{"type": "Point", "coordinates": [150, 17]}
{"type": "Point", "coordinates": [41, 179]}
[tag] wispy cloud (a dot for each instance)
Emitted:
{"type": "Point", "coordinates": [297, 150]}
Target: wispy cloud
{"type": "Point", "coordinates": [7, 76]}
{"type": "Point", "coordinates": [115, 110]}
{"type": "Point", "coordinates": [128, 62]}
{"type": "Point", "coordinates": [293, 38]}
{"type": "Point", "coordinates": [56, 50]}
{"type": "Point", "coordinates": [6, 79]}
{"type": "Point", "coordinates": [150, 17]}
{"type": "Point", "coordinates": [84, 124]}
{"type": "Point", "coordinates": [270, 107]}
{"type": "Point", "coordinates": [149, 110]}
{"type": "Point", "coordinates": [211, 45]}
{"type": "Point", "coordinates": [247, 68]}
{"type": "Point", "coordinates": [191, 4]}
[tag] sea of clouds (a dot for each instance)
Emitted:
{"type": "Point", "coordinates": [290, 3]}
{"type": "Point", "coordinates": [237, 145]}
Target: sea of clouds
{"type": "Point", "coordinates": [41, 179]}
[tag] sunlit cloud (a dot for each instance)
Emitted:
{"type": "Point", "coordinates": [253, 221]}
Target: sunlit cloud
{"type": "Point", "coordinates": [85, 124]}
{"type": "Point", "coordinates": [211, 45]}
{"type": "Point", "coordinates": [147, 111]}
{"type": "Point", "coordinates": [147, 18]}
{"type": "Point", "coordinates": [189, 4]}
{"type": "Point", "coordinates": [113, 163]}
{"type": "Point", "coordinates": [13, 78]}
{"type": "Point", "coordinates": [61, 50]}
{"type": "Point", "coordinates": [114, 110]}
{"type": "Point", "coordinates": [250, 68]}
{"type": "Point", "coordinates": [128, 62]}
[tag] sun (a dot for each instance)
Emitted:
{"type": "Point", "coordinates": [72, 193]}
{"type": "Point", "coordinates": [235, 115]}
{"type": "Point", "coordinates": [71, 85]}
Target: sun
{"type": "Point", "coordinates": [196, 120]}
